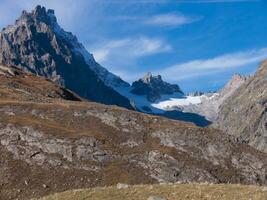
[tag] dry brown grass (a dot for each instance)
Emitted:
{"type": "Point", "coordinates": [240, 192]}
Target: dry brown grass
{"type": "Point", "coordinates": [170, 192]}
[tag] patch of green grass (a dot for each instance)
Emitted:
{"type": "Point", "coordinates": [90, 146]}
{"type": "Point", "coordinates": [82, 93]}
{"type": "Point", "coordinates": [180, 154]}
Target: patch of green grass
{"type": "Point", "coordinates": [168, 191]}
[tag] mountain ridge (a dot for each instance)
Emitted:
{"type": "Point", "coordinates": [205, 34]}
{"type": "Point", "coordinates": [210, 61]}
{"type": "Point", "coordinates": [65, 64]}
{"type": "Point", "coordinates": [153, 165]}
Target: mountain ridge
{"type": "Point", "coordinates": [244, 113]}
{"type": "Point", "coordinates": [36, 43]}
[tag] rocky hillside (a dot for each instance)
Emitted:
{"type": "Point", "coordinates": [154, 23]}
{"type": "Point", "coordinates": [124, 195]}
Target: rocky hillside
{"type": "Point", "coordinates": [50, 144]}
{"type": "Point", "coordinates": [153, 87]}
{"type": "Point", "coordinates": [17, 85]}
{"type": "Point", "coordinates": [36, 43]}
{"type": "Point", "coordinates": [244, 113]}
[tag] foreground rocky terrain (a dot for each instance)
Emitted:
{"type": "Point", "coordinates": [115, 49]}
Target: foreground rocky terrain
{"type": "Point", "coordinates": [52, 140]}
{"type": "Point", "coordinates": [244, 113]}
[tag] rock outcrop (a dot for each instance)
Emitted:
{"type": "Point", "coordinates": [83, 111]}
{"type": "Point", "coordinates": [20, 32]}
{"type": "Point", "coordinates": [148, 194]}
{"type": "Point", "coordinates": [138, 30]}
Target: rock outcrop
{"type": "Point", "coordinates": [153, 87]}
{"type": "Point", "coordinates": [244, 113]}
{"type": "Point", "coordinates": [37, 44]}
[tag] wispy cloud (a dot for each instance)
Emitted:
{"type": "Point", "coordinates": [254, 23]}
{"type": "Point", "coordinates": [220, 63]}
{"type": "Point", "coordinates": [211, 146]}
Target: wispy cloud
{"type": "Point", "coordinates": [163, 19]}
{"type": "Point", "coordinates": [130, 48]}
{"type": "Point", "coordinates": [198, 68]}
{"type": "Point", "coordinates": [170, 19]}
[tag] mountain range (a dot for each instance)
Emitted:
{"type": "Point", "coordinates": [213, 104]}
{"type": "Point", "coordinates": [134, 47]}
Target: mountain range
{"type": "Point", "coordinates": [37, 44]}
{"type": "Point", "coordinates": [68, 123]}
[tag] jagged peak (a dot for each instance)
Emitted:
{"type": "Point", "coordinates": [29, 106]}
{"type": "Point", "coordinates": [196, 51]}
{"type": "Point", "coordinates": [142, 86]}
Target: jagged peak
{"type": "Point", "coordinates": [42, 15]}
{"type": "Point", "coordinates": [236, 79]}
{"type": "Point", "coordinates": [154, 87]}
{"type": "Point", "coordinates": [148, 78]}
{"type": "Point", "coordinates": [39, 13]}
{"type": "Point", "coordinates": [237, 76]}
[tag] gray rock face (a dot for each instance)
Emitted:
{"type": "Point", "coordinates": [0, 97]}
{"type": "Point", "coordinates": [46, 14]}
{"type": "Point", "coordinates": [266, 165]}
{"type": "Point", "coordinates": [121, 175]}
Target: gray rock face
{"type": "Point", "coordinates": [34, 146]}
{"type": "Point", "coordinates": [244, 113]}
{"type": "Point", "coordinates": [36, 43]}
{"type": "Point", "coordinates": [153, 87]}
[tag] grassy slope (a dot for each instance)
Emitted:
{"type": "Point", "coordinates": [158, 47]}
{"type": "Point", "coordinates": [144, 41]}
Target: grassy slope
{"type": "Point", "coordinates": [170, 192]}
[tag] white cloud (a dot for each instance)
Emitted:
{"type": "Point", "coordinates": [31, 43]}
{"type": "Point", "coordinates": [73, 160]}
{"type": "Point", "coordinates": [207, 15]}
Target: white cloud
{"type": "Point", "coordinates": [130, 48]}
{"type": "Point", "coordinates": [198, 68]}
{"type": "Point", "coordinates": [171, 19]}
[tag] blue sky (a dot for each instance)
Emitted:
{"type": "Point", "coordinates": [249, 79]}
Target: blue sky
{"type": "Point", "coordinates": [197, 44]}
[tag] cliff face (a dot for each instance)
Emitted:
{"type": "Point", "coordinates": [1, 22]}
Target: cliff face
{"type": "Point", "coordinates": [244, 113]}
{"type": "Point", "coordinates": [37, 44]}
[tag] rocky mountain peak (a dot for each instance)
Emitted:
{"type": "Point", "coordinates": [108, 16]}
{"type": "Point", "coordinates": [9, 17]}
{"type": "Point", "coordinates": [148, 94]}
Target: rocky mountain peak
{"type": "Point", "coordinates": [40, 13]}
{"type": "Point", "coordinates": [236, 81]}
{"type": "Point", "coordinates": [154, 87]}
{"type": "Point", "coordinates": [149, 78]}
{"type": "Point", "coordinates": [37, 44]}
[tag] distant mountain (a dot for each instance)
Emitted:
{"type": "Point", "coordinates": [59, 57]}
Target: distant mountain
{"type": "Point", "coordinates": [153, 87]}
{"type": "Point", "coordinates": [244, 113]}
{"type": "Point", "coordinates": [152, 95]}
{"type": "Point", "coordinates": [36, 43]}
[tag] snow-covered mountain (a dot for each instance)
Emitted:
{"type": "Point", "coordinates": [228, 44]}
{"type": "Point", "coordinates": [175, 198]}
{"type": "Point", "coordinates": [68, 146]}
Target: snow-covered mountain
{"type": "Point", "coordinates": [151, 94]}
{"type": "Point", "coordinates": [149, 90]}
{"type": "Point", "coordinates": [37, 44]}
{"type": "Point", "coordinates": [205, 104]}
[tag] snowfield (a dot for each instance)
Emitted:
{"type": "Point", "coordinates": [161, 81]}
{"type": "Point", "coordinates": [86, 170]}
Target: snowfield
{"type": "Point", "coordinates": [166, 103]}
{"type": "Point", "coordinates": [176, 102]}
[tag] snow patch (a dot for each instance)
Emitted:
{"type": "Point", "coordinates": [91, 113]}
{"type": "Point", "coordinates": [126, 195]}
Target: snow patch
{"type": "Point", "coordinates": [174, 102]}
{"type": "Point", "coordinates": [166, 103]}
